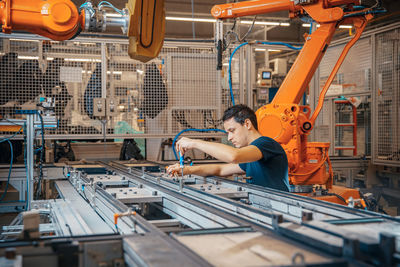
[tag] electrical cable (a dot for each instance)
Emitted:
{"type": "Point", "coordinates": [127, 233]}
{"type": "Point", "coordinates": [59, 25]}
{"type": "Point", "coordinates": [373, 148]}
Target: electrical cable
{"type": "Point", "coordinates": [7, 139]}
{"type": "Point", "coordinates": [39, 189]}
{"type": "Point", "coordinates": [365, 13]}
{"type": "Point", "coordinates": [338, 196]}
{"type": "Point", "coordinates": [258, 42]}
{"type": "Point", "coordinates": [107, 4]}
{"type": "Point", "coordinates": [249, 30]}
{"type": "Point", "coordinates": [229, 71]}
{"type": "Point", "coordinates": [192, 130]}
{"type": "Point", "coordinates": [87, 6]}
{"type": "Point", "coordinates": [152, 26]}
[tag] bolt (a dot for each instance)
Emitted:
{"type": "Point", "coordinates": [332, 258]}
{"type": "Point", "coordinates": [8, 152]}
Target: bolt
{"type": "Point", "coordinates": [154, 193]}
{"type": "Point", "coordinates": [114, 195]}
{"type": "Point", "coordinates": [239, 188]}
{"type": "Point", "coordinates": [140, 186]}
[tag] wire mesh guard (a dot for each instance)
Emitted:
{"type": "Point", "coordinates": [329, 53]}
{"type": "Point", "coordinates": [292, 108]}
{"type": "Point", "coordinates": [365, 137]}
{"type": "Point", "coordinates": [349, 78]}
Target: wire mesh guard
{"type": "Point", "coordinates": [354, 78]}
{"type": "Point", "coordinates": [387, 98]}
{"type": "Point", "coordinates": [354, 75]}
{"type": "Point", "coordinates": [179, 89]}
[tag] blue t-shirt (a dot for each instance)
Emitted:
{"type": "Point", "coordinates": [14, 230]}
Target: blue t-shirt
{"type": "Point", "coordinates": [272, 169]}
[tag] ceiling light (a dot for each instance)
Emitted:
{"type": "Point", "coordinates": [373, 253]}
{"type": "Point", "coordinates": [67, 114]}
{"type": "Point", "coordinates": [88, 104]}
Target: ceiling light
{"type": "Point", "coordinates": [266, 23]}
{"type": "Point", "coordinates": [115, 72]}
{"type": "Point", "coordinates": [260, 49]}
{"type": "Point", "coordinates": [308, 25]}
{"type": "Point", "coordinates": [139, 71]}
{"type": "Point", "coordinates": [345, 26]}
{"type": "Point", "coordinates": [190, 19]}
{"type": "Point", "coordinates": [27, 57]}
{"type": "Point", "coordinates": [82, 59]}
{"type": "Point", "coordinates": [284, 24]}
{"type": "Point", "coordinates": [274, 50]}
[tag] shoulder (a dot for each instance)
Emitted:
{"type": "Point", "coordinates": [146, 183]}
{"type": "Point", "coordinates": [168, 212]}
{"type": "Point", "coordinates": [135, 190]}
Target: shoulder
{"type": "Point", "coordinates": [263, 140]}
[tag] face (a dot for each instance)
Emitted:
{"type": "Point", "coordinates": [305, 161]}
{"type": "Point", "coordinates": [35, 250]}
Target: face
{"type": "Point", "coordinates": [237, 133]}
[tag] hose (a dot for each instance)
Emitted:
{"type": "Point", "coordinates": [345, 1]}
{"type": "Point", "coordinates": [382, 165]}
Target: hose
{"type": "Point", "coordinates": [192, 130]}
{"type": "Point", "coordinates": [239, 46]}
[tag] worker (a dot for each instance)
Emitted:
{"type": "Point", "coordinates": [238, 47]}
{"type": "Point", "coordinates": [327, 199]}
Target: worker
{"type": "Point", "coordinates": [259, 157]}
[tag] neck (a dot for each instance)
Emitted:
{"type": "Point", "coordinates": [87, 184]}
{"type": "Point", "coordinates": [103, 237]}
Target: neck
{"type": "Point", "coordinates": [253, 135]}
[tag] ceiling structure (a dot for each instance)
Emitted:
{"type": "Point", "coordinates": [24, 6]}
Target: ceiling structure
{"type": "Point", "coordinates": [205, 30]}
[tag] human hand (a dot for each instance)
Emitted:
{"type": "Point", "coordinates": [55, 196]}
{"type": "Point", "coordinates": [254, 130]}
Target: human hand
{"type": "Point", "coordinates": [184, 144]}
{"type": "Point", "coordinates": [173, 170]}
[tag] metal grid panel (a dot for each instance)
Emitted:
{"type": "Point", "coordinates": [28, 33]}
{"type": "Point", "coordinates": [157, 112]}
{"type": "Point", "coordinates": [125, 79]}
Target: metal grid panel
{"type": "Point", "coordinates": [354, 76]}
{"type": "Point", "coordinates": [387, 99]}
{"type": "Point", "coordinates": [179, 89]}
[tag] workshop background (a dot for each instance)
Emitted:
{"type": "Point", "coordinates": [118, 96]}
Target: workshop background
{"type": "Point", "coordinates": [86, 133]}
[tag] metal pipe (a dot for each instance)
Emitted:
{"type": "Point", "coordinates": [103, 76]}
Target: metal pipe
{"type": "Point", "coordinates": [117, 21]}
{"type": "Point", "coordinates": [30, 137]}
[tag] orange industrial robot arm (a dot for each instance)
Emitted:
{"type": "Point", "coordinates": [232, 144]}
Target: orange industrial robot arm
{"type": "Point", "coordinates": [55, 19]}
{"type": "Point", "coordinates": [283, 119]}
{"type": "Point", "coordinates": [143, 21]}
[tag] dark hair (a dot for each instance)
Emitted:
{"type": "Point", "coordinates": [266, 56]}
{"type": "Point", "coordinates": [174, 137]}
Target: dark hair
{"type": "Point", "coordinates": [240, 113]}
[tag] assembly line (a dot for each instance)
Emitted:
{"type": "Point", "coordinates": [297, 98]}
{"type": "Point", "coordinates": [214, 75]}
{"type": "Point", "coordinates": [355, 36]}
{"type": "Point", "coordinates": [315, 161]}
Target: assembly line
{"type": "Point", "coordinates": [178, 133]}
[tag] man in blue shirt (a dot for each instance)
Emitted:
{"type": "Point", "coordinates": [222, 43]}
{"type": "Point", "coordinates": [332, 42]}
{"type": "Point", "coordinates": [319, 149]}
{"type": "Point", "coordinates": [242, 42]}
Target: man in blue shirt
{"type": "Point", "coordinates": [261, 158]}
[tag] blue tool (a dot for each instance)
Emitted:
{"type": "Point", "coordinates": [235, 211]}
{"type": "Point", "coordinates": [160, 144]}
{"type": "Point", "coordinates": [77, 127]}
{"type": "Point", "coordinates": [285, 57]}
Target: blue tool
{"type": "Point", "coordinates": [181, 162]}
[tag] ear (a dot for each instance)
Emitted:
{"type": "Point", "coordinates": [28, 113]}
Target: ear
{"type": "Point", "coordinates": [248, 124]}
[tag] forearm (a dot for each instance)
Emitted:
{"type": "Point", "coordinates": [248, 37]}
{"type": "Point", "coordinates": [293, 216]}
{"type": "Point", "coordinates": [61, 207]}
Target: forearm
{"type": "Point", "coordinates": [204, 170]}
{"type": "Point", "coordinates": [219, 151]}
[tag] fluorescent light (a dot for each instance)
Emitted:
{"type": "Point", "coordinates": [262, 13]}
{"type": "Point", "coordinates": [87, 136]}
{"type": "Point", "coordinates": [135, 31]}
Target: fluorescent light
{"type": "Point", "coordinates": [274, 50]}
{"type": "Point", "coordinates": [267, 23]}
{"type": "Point", "coordinates": [115, 72]}
{"type": "Point", "coordinates": [88, 72]}
{"type": "Point", "coordinates": [140, 71]}
{"type": "Point", "coordinates": [34, 58]}
{"type": "Point", "coordinates": [27, 57]}
{"type": "Point", "coordinates": [82, 59]}
{"type": "Point", "coordinates": [24, 40]}
{"type": "Point", "coordinates": [189, 19]}
{"type": "Point", "coordinates": [260, 49]}
{"type": "Point", "coordinates": [308, 25]}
